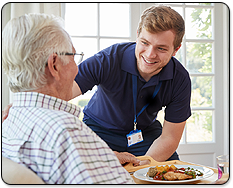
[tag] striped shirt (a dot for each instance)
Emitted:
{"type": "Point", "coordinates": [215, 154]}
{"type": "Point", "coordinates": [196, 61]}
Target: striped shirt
{"type": "Point", "coordinates": [44, 134]}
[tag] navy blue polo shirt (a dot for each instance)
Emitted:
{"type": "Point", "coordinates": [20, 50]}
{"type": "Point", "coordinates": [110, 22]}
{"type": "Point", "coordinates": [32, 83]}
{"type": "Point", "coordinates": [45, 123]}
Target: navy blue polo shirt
{"type": "Point", "coordinates": [112, 104]}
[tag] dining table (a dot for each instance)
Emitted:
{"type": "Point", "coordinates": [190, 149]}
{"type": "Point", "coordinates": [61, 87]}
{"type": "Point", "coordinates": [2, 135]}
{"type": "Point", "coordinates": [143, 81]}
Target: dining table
{"type": "Point", "coordinates": [209, 180]}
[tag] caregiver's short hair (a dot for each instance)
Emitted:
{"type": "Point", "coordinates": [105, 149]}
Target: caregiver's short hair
{"type": "Point", "coordinates": [27, 43]}
{"type": "Point", "coordinates": [158, 18]}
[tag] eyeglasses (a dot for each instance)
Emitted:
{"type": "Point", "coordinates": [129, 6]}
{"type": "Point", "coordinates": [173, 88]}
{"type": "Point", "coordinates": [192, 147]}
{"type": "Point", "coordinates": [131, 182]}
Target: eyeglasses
{"type": "Point", "coordinates": [77, 60]}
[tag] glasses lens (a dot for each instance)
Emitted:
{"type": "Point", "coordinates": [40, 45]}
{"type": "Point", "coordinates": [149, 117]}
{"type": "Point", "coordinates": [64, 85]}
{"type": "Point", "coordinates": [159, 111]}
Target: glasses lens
{"type": "Point", "coordinates": [78, 58]}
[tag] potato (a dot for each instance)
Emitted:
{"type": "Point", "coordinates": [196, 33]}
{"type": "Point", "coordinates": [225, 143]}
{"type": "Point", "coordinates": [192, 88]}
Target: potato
{"type": "Point", "coordinates": [173, 167]}
{"type": "Point", "coordinates": [160, 168]}
{"type": "Point", "coordinates": [166, 168]}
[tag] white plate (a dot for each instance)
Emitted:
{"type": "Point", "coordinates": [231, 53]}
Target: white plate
{"type": "Point", "coordinates": [141, 174]}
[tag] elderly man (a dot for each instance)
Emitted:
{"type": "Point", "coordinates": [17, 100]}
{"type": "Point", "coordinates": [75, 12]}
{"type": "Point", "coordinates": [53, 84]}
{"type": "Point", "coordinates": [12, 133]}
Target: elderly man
{"type": "Point", "coordinates": [42, 131]}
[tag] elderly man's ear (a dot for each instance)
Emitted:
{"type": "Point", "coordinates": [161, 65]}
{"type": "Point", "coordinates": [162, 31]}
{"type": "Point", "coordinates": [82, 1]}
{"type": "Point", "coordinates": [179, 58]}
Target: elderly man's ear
{"type": "Point", "coordinates": [54, 66]}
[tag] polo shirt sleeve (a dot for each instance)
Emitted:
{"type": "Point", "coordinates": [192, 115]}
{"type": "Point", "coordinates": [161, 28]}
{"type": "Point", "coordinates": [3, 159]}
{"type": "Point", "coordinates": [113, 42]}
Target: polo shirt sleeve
{"type": "Point", "coordinates": [178, 110]}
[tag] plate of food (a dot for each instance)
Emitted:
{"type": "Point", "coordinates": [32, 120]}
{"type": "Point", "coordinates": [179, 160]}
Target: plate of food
{"type": "Point", "coordinates": [173, 173]}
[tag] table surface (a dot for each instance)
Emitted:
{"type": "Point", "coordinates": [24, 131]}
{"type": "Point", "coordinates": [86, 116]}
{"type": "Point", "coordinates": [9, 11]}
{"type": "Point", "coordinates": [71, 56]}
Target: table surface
{"type": "Point", "coordinates": [208, 180]}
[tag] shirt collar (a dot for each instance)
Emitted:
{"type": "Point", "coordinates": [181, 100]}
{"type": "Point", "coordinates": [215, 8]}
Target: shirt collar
{"type": "Point", "coordinates": [129, 64]}
{"type": "Point", "coordinates": [39, 100]}
{"type": "Point", "coordinates": [129, 61]}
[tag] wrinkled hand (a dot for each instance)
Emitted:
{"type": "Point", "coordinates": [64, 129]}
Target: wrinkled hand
{"type": "Point", "coordinates": [125, 157]}
{"type": "Point", "coordinates": [5, 112]}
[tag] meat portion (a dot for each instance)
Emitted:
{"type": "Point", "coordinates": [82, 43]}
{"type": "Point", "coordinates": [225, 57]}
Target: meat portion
{"type": "Point", "coordinates": [152, 172]}
{"type": "Point", "coordinates": [172, 176]}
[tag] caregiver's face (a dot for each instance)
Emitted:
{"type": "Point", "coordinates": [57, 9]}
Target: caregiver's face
{"type": "Point", "coordinates": [153, 51]}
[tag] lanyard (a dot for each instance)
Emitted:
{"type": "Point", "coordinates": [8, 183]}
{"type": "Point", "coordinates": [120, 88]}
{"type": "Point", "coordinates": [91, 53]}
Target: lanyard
{"type": "Point", "coordinates": [134, 80]}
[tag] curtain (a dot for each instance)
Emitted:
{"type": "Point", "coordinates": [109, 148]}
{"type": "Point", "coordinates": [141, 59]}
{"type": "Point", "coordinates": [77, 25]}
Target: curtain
{"type": "Point", "coordinates": [13, 10]}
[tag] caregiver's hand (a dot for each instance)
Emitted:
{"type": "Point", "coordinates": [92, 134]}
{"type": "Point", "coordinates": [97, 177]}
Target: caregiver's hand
{"type": "Point", "coordinates": [5, 111]}
{"type": "Point", "coordinates": [125, 157]}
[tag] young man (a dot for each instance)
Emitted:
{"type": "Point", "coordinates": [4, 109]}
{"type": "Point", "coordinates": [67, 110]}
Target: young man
{"type": "Point", "coordinates": [42, 131]}
{"type": "Point", "coordinates": [135, 80]}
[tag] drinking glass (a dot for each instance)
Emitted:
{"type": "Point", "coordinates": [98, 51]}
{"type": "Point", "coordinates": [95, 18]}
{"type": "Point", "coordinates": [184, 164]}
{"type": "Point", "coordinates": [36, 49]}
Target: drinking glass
{"type": "Point", "coordinates": [223, 166]}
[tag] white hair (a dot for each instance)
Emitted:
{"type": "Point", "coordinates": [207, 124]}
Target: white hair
{"type": "Point", "coordinates": [27, 43]}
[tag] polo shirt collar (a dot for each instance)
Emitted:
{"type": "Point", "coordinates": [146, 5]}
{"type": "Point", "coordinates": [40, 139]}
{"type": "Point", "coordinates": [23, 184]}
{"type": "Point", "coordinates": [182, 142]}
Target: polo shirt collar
{"type": "Point", "coordinates": [129, 64]}
{"type": "Point", "coordinates": [129, 61]}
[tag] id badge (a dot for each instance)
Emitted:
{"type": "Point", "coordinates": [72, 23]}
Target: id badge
{"type": "Point", "coordinates": [134, 137]}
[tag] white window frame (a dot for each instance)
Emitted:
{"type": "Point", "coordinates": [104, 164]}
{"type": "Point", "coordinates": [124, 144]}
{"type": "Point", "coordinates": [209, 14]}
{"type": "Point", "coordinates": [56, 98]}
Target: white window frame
{"type": "Point", "coordinates": [98, 36]}
{"type": "Point", "coordinates": [220, 86]}
{"type": "Point", "coordinates": [212, 74]}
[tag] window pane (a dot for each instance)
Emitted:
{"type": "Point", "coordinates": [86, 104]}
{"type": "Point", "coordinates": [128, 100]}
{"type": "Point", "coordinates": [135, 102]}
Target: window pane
{"type": "Point", "coordinates": [104, 43]}
{"type": "Point", "coordinates": [199, 57]}
{"type": "Point", "coordinates": [201, 91]}
{"type": "Point", "coordinates": [114, 19]}
{"type": "Point", "coordinates": [86, 45]}
{"type": "Point", "coordinates": [198, 23]}
{"type": "Point", "coordinates": [179, 55]}
{"type": "Point", "coordinates": [199, 126]}
{"type": "Point", "coordinates": [81, 19]}
{"type": "Point", "coordinates": [160, 116]}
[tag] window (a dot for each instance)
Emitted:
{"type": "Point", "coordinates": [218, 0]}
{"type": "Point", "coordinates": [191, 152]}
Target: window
{"type": "Point", "coordinates": [199, 42]}
{"type": "Point", "coordinates": [196, 56]}
{"type": "Point", "coordinates": [92, 29]}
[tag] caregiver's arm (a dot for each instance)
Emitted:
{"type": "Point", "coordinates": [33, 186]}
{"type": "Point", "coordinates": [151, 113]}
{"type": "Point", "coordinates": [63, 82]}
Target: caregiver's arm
{"type": "Point", "coordinates": [76, 90]}
{"type": "Point", "coordinates": [163, 147]}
